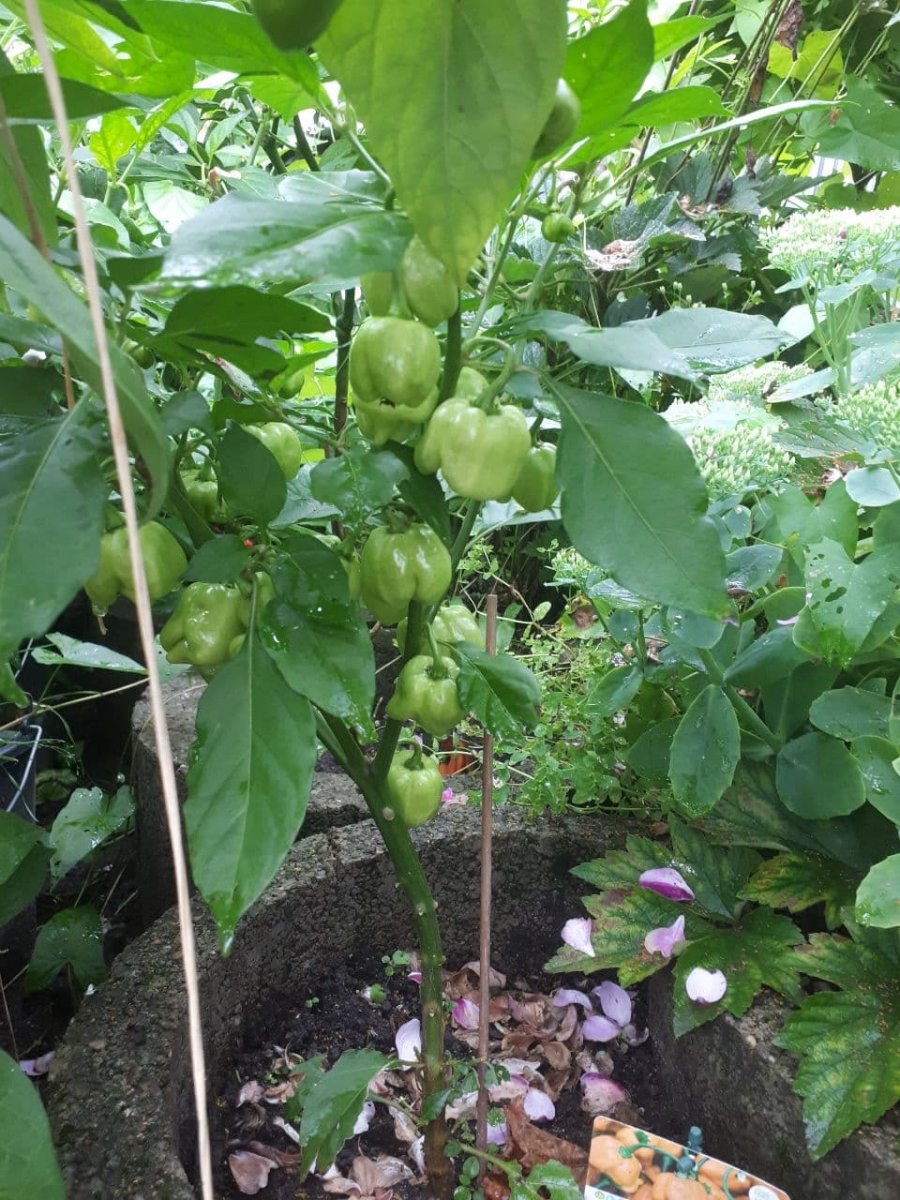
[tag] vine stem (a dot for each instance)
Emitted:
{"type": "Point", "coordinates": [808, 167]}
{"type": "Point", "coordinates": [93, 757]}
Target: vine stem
{"type": "Point", "coordinates": [414, 882]}
{"type": "Point", "coordinates": [142, 596]}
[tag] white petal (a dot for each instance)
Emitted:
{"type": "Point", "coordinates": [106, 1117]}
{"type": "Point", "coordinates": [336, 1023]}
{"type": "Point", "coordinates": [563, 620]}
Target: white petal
{"type": "Point", "coordinates": [364, 1120]}
{"type": "Point", "coordinates": [408, 1040]}
{"type": "Point", "coordinates": [538, 1105]}
{"type": "Point", "coordinates": [577, 933]}
{"type": "Point", "coordinates": [705, 987]}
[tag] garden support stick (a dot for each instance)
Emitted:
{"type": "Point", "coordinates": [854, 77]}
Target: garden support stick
{"type": "Point", "coordinates": [484, 950]}
{"type": "Point", "coordinates": [141, 595]}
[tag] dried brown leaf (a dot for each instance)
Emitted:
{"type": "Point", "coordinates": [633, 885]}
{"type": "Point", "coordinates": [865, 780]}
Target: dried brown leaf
{"type": "Point", "coordinates": [533, 1146]}
{"type": "Point", "coordinates": [250, 1171]}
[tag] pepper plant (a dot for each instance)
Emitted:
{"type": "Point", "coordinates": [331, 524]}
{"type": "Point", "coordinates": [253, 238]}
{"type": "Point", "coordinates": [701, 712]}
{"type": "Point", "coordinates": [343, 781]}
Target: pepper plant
{"type": "Point", "coordinates": [333, 360]}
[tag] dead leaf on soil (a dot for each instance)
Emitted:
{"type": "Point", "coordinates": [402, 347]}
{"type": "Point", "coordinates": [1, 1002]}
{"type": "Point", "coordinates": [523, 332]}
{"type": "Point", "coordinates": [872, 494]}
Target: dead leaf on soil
{"type": "Point", "coordinates": [465, 980]}
{"type": "Point", "coordinates": [250, 1092]}
{"type": "Point", "coordinates": [370, 1179]}
{"type": "Point", "coordinates": [496, 1187]}
{"type": "Point", "coordinates": [532, 1146]}
{"type": "Point", "coordinates": [281, 1158]}
{"type": "Point", "coordinates": [250, 1171]}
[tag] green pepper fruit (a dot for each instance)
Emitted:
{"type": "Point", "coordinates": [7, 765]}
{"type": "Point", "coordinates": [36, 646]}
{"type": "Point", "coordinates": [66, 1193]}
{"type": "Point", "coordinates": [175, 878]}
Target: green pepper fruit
{"type": "Point", "coordinates": [557, 227]}
{"type": "Point", "coordinates": [536, 488]}
{"type": "Point", "coordinates": [265, 591]}
{"type": "Point", "coordinates": [414, 786]}
{"type": "Point", "coordinates": [282, 443]}
{"type": "Point", "coordinates": [207, 626]}
{"type": "Point", "coordinates": [426, 693]}
{"type": "Point", "coordinates": [378, 290]}
{"type": "Point", "coordinates": [379, 423]}
{"type": "Point", "coordinates": [427, 284]}
{"type": "Point", "coordinates": [479, 453]}
{"type": "Point", "coordinates": [470, 384]}
{"type": "Point", "coordinates": [452, 623]}
{"type": "Point", "coordinates": [396, 568]}
{"type": "Point", "coordinates": [203, 495]}
{"type": "Point", "coordinates": [562, 122]}
{"type": "Point", "coordinates": [395, 360]}
{"type": "Point", "coordinates": [295, 24]}
{"type": "Point", "coordinates": [289, 383]}
{"type": "Point", "coordinates": [164, 564]}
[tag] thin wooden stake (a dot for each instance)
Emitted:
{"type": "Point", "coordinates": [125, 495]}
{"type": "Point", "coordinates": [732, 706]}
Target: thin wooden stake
{"type": "Point", "coordinates": [484, 952]}
{"type": "Point", "coordinates": [142, 596]}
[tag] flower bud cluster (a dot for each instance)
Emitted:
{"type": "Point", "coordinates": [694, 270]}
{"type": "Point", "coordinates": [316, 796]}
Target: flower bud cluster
{"type": "Point", "coordinates": [834, 244]}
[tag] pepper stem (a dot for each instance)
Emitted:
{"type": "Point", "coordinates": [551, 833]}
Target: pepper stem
{"type": "Point", "coordinates": [437, 670]}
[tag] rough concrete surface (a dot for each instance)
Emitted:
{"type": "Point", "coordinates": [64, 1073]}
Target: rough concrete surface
{"type": "Point", "coordinates": [731, 1080]}
{"type": "Point", "coordinates": [120, 1095]}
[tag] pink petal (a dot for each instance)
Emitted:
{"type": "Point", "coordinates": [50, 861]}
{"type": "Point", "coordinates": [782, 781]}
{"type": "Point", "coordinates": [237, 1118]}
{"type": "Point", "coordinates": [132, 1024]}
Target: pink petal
{"type": "Point", "coordinates": [447, 795]}
{"type": "Point", "coordinates": [665, 939]}
{"type": "Point", "coordinates": [415, 976]}
{"type": "Point", "coordinates": [538, 1105]}
{"type": "Point", "coordinates": [601, 1094]}
{"type": "Point", "coordinates": [496, 1134]}
{"type": "Point", "coordinates": [408, 1040]}
{"type": "Point", "coordinates": [37, 1066]}
{"type": "Point", "coordinates": [565, 996]}
{"type": "Point", "coordinates": [705, 987]}
{"type": "Point", "coordinates": [600, 1029]}
{"type": "Point", "coordinates": [666, 881]}
{"type": "Point", "coordinates": [615, 1002]}
{"type": "Point", "coordinates": [465, 1013]}
{"type": "Point", "coordinates": [577, 934]}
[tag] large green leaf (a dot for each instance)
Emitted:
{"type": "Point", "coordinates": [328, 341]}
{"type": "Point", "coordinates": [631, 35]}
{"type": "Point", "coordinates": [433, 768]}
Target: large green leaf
{"type": "Point", "coordinates": [453, 94]}
{"type": "Point", "coordinates": [251, 480]}
{"type": "Point", "coordinates": [849, 1040]}
{"type": "Point", "coordinates": [878, 898]}
{"type": "Point", "coordinates": [27, 1161]}
{"type": "Point", "coordinates": [876, 756]}
{"type": "Point", "coordinates": [716, 873]}
{"type": "Point", "coordinates": [87, 820]}
{"type": "Point", "coordinates": [631, 346]}
{"type": "Point", "coordinates": [818, 777]}
{"type": "Point", "coordinates": [334, 1104]}
{"type": "Point", "coordinates": [26, 272]}
{"type": "Point", "coordinates": [498, 689]}
{"type": "Point", "coordinates": [248, 784]}
{"type": "Point", "coordinates": [867, 130]}
{"type": "Point", "coordinates": [634, 502]}
{"type": "Point", "coordinates": [850, 712]}
{"type": "Point", "coordinates": [759, 952]}
{"type": "Point", "coordinates": [33, 157]}
{"type": "Point", "coordinates": [72, 938]}
{"type": "Point", "coordinates": [52, 498]}
{"type": "Point", "coordinates": [797, 881]}
{"type": "Point", "coordinates": [705, 751]}
{"type": "Point", "coordinates": [23, 864]}
{"type": "Point", "coordinates": [315, 634]}
{"type": "Point", "coordinates": [716, 340]}
{"type": "Point", "coordinates": [328, 231]}
{"type": "Point", "coordinates": [25, 97]}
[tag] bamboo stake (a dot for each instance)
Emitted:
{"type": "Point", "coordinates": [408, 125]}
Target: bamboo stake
{"type": "Point", "coordinates": [484, 955]}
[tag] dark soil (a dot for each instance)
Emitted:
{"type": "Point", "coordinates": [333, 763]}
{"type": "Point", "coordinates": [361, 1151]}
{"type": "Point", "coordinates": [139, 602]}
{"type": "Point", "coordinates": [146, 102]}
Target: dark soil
{"type": "Point", "coordinates": [335, 1017]}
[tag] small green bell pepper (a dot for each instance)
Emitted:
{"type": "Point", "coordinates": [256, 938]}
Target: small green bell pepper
{"type": "Point", "coordinates": [207, 627]}
{"type": "Point", "coordinates": [452, 623]}
{"type": "Point", "coordinates": [397, 361]}
{"type": "Point", "coordinates": [282, 443]}
{"type": "Point", "coordinates": [164, 564]}
{"type": "Point", "coordinates": [414, 786]}
{"type": "Point", "coordinates": [479, 453]}
{"type": "Point", "coordinates": [427, 285]}
{"type": "Point", "coordinates": [398, 567]}
{"type": "Point", "coordinates": [536, 487]}
{"type": "Point", "coordinates": [426, 693]}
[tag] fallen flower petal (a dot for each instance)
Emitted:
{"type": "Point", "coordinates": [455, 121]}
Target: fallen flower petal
{"type": "Point", "coordinates": [600, 1029]}
{"type": "Point", "coordinates": [577, 933]}
{"type": "Point", "coordinates": [37, 1066]}
{"type": "Point", "coordinates": [465, 1013]}
{"type": "Point", "coordinates": [364, 1120]}
{"type": "Point", "coordinates": [705, 987]}
{"type": "Point", "coordinates": [601, 1094]}
{"type": "Point", "coordinates": [286, 1129]}
{"type": "Point", "coordinates": [666, 881]}
{"type": "Point", "coordinates": [565, 996]}
{"type": "Point", "coordinates": [408, 1040]}
{"type": "Point", "coordinates": [496, 1134]}
{"type": "Point", "coordinates": [417, 1153]}
{"type": "Point", "coordinates": [447, 795]}
{"type": "Point", "coordinates": [615, 1002]}
{"type": "Point", "coordinates": [250, 1092]}
{"type": "Point", "coordinates": [250, 1171]}
{"type": "Point", "coordinates": [666, 939]}
{"type": "Point", "coordinates": [538, 1105]}
{"type": "Point", "coordinates": [415, 976]}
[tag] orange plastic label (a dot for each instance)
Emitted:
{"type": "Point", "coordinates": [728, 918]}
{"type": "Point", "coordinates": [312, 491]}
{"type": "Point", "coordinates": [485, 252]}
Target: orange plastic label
{"type": "Point", "coordinates": [628, 1162]}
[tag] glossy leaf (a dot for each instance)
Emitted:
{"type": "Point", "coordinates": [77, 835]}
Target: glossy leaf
{"type": "Point", "coordinates": [622, 868]}
{"type": "Point", "coordinates": [334, 1104]}
{"type": "Point", "coordinates": [867, 130]}
{"type": "Point", "coordinates": [715, 874]}
{"type": "Point", "coordinates": [615, 690]}
{"type": "Point", "coordinates": [88, 819]}
{"type": "Point", "coordinates": [454, 140]}
{"type": "Point", "coordinates": [73, 937]}
{"type": "Point", "coordinates": [876, 756]}
{"type": "Point", "coordinates": [705, 751]}
{"type": "Point", "coordinates": [497, 689]}
{"type": "Point", "coordinates": [850, 712]}
{"type": "Point", "coordinates": [634, 502]}
{"type": "Point", "coordinates": [248, 783]}
{"type": "Point", "coordinates": [251, 480]}
{"type": "Point", "coordinates": [220, 560]}
{"type": "Point", "coordinates": [25, 97]}
{"type": "Point", "coordinates": [758, 953]}
{"type": "Point", "coordinates": [70, 652]}
{"type": "Point", "coordinates": [52, 498]}
{"type": "Point", "coordinates": [670, 36]}
{"type": "Point", "coordinates": [26, 272]}
{"type": "Point", "coordinates": [215, 320]}
{"type": "Point", "coordinates": [797, 881]}
{"type": "Point", "coordinates": [818, 777]}
{"type": "Point", "coordinates": [848, 1040]}
{"type": "Point", "coordinates": [359, 483]}
{"type": "Point", "coordinates": [715, 340]}
{"type": "Point", "coordinates": [878, 898]}
{"type": "Point", "coordinates": [315, 634]}
{"type": "Point", "coordinates": [27, 1161]}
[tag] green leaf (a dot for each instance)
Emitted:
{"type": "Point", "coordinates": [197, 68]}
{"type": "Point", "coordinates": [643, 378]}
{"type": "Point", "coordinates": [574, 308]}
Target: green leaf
{"type": "Point", "coordinates": [705, 751]}
{"type": "Point", "coordinates": [670, 36]}
{"type": "Point", "coordinates": [850, 712]}
{"type": "Point", "coordinates": [621, 868]}
{"type": "Point", "coordinates": [649, 754]}
{"type": "Point", "coordinates": [454, 140]}
{"type": "Point", "coordinates": [622, 919]}
{"type": "Point", "coordinates": [550, 1177]}
{"type": "Point", "coordinates": [786, 702]}
{"type": "Point", "coordinates": [422, 492]}
{"type": "Point", "coordinates": [757, 953]}
{"type": "Point", "coordinates": [26, 272]}
{"type": "Point", "coordinates": [878, 898]}
{"type": "Point", "coordinates": [27, 1161]}
{"type": "Point", "coordinates": [846, 598]}
{"type": "Point", "coordinates": [112, 141]}
{"type": "Point", "coordinates": [317, 234]}
{"type": "Point", "coordinates": [818, 777]}
{"type": "Point", "coordinates": [772, 656]}
{"type": "Point", "coordinates": [23, 863]}
{"type": "Point", "coordinates": [248, 783]}
{"type": "Point", "coordinates": [33, 156]}
{"type": "Point", "coordinates": [876, 756]}
{"type": "Point", "coordinates": [607, 67]}
{"type": "Point", "coordinates": [714, 339]}
{"type": "Point", "coordinates": [849, 1041]}
{"type": "Point", "coordinates": [625, 465]}
{"type": "Point", "coordinates": [186, 410]}
{"type": "Point", "coordinates": [88, 819]}
{"type": "Point", "coordinates": [25, 97]}
{"type": "Point", "coordinates": [498, 689]}
{"type": "Point", "coordinates": [70, 652]}
{"type": "Point", "coordinates": [359, 483]}
{"type": "Point", "coordinates": [630, 346]}
{"type": "Point", "coordinates": [334, 1104]}
{"type": "Point", "coordinates": [866, 132]}
{"type": "Point", "coordinates": [797, 881]}
{"type": "Point", "coordinates": [688, 103]}
{"type": "Point", "coordinates": [751, 567]}
{"type": "Point", "coordinates": [315, 634]}
{"type": "Point", "coordinates": [716, 874]}
{"type": "Point", "coordinates": [51, 511]}
{"type": "Point", "coordinates": [873, 487]}
{"type": "Point", "coordinates": [615, 690]}
{"type": "Point", "coordinates": [220, 560]}
{"type": "Point", "coordinates": [71, 938]}
{"type": "Point", "coordinates": [250, 479]}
